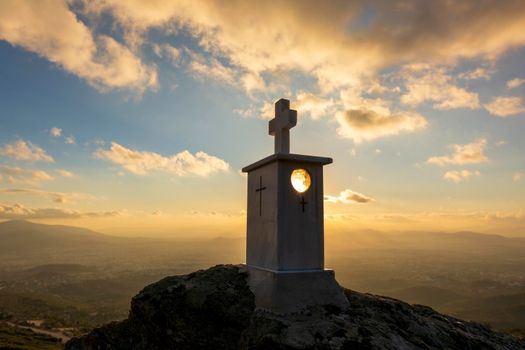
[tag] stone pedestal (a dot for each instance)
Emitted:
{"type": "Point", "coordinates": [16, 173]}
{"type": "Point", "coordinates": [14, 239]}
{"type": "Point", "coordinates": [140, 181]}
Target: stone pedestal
{"type": "Point", "coordinates": [287, 292]}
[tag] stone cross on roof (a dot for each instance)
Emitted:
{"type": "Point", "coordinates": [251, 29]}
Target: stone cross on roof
{"type": "Point", "coordinates": [285, 119]}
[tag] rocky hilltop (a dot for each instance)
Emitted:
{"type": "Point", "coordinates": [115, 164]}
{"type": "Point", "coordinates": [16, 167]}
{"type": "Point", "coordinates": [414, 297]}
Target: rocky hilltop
{"type": "Point", "coordinates": [215, 309]}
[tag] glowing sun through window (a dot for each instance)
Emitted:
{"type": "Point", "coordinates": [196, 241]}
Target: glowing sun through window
{"type": "Point", "coordinates": [301, 180]}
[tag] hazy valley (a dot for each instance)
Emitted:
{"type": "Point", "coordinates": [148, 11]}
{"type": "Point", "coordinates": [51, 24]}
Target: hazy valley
{"type": "Point", "coordinates": [67, 280]}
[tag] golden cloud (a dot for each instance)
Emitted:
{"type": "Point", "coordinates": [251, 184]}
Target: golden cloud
{"type": "Point", "coordinates": [56, 197]}
{"type": "Point", "coordinates": [25, 150]}
{"type": "Point", "coordinates": [315, 106]}
{"type": "Point", "coordinates": [329, 41]}
{"type": "Point", "coordinates": [478, 73]}
{"type": "Point", "coordinates": [348, 196]}
{"type": "Point", "coordinates": [52, 30]}
{"type": "Point", "coordinates": [426, 83]}
{"type": "Point", "coordinates": [18, 175]}
{"type": "Point", "coordinates": [470, 153]}
{"type": "Point", "coordinates": [55, 132]}
{"type": "Point", "coordinates": [514, 83]}
{"type": "Point", "coordinates": [19, 211]}
{"type": "Point", "coordinates": [65, 173]}
{"type": "Point", "coordinates": [460, 175]}
{"type": "Point", "coordinates": [367, 124]}
{"type": "Point", "coordinates": [210, 68]}
{"type": "Point", "coordinates": [502, 106]}
{"type": "Point", "coordinates": [180, 164]}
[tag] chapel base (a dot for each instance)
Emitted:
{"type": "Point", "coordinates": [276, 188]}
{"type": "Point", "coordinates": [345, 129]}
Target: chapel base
{"type": "Point", "coordinates": [286, 292]}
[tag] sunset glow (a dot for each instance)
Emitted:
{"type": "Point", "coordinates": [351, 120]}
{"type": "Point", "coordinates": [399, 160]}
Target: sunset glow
{"type": "Point", "coordinates": [135, 117]}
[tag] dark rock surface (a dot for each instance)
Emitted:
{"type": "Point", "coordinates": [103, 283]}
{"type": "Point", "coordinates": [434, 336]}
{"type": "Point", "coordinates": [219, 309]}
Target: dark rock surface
{"type": "Point", "coordinates": [215, 309]}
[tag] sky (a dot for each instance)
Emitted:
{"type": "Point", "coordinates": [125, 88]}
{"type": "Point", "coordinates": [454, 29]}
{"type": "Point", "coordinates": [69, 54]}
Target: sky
{"type": "Point", "coordinates": [135, 117]}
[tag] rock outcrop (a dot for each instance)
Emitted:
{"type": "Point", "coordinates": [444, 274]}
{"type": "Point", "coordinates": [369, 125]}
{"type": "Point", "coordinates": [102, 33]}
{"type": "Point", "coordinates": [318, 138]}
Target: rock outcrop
{"type": "Point", "coordinates": [215, 309]}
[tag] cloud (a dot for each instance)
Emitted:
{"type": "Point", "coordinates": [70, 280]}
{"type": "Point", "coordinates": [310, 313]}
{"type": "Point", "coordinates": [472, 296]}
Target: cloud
{"type": "Point", "coordinates": [267, 111]}
{"type": "Point", "coordinates": [169, 51]}
{"type": "Point", "coordinates": [213, 69]}
{"type": "Point", "coordinates": [157, 213]}
{"type": "Point", "coordinates": [478, 73]}
{"type": "Point", "coordinates": [246, 113]}
{"type": "Point", "coordinates": [203, 68]}
{"type": "Point", "coordinates": [309, 104]}
{"type": "Point", "coordinates": [330, 42]}
{"type": "Point", "coordinates": [275, 47]}
{"type": "Point", "coordinates": [426, 83]}
{"type": "Point", "coordinates": [517, 176]}
{"type": "Point", "coordinates": [460, 175]}
{"type": "Point", "coordinates": [262, 46]}
{"type": "Point", "coordinates": [18, 211]}
{"type": "Point", "coordinates": [173, 53]}
{"type": "Point", "coordinates": [94, 142]}
{"type": "Point", "coordinates": [470, 153]}
{"type": "Point", "coordinates": [306, 104]}
{"type": "Point", "coordinates": [502, 106]}
{"type": "Point", "coordinates": [205, 215]}
{"type": "Point", "coordinates": [514, 83]}
{"type": "Point", "coordinates": [55, 132]}
{"type": "Point", "coordinates": [25, 150]}
{"type": "Point", "coordinates": [53, 31]}
{"type": "Point", "coordinates": [367, 124]}
{"type": "Point", "coordinates": [17, 175]}
{"type": "Point", "coordinates": [65, 173]}
{"type": "Point", "coordinates": [55, 197]}
{"type": "Point", "coordinates": [253, 82]}
{"type": "Point", "coordinates": [180, 164]}
{"type": "Point", "coordinates": [70, 140]}
{"type": "Point", "coordinates": [347, 197]}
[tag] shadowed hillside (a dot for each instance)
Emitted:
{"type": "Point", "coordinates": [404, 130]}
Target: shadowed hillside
{"type": "Point", "coordinates": [215, 309]}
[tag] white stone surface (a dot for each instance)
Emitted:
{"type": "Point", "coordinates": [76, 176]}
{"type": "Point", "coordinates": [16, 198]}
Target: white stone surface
{"type": "Point", "coordinates": [285, 119]}
{"type": "Point", "coordinates": [280, 235]}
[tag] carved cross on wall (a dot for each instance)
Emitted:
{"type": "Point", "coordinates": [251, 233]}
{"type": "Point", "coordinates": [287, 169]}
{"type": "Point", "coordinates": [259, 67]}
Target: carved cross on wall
{"type": "Point", "coordinates": [285, 119]}
{"type": "Point", "coordinates": [260, 189]}
{"type": "Point", "coordinates": [303, 202]}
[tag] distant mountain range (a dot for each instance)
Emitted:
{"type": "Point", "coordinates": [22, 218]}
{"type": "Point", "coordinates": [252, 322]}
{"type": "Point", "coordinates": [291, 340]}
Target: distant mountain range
{"type": "Point", "coordinates": [27, 243]}
{"type": "Point", "coordinates": [464, 242]}
{"type": "Point", "coordinates": [20, 239]}
{"type": "Point", "coordinates": [24, 236]}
